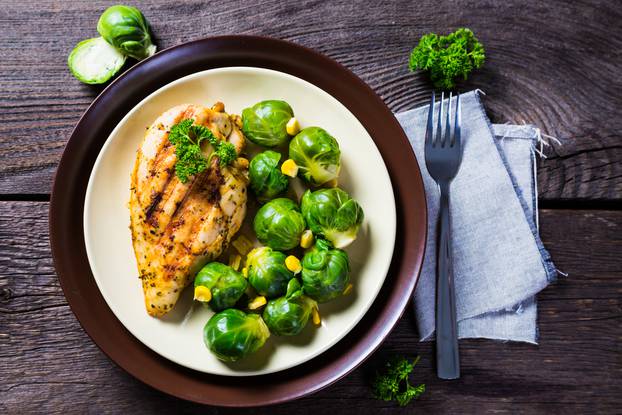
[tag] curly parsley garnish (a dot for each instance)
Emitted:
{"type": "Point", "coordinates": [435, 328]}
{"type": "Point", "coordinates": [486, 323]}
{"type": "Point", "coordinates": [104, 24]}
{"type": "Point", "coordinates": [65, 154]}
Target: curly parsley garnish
{"type": "Point", "coordinates": [187, 139]}
{"type": "Point", "coordinates": [448, 58]}
{"type": "Point", "coordinates": [393, 385]}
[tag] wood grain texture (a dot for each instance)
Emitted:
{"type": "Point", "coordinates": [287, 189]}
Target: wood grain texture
{"type": "Point", "coordinates": [49, 365]}
{"type": "Point", "coordinates": [553, 64]}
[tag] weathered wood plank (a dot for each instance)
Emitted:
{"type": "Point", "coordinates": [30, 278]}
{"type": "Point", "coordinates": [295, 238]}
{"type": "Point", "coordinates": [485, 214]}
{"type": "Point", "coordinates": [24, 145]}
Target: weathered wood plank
{"type": "Point", "coordinates": [552, 64]}
{"type": "Point", "coordinates": [49, 365]}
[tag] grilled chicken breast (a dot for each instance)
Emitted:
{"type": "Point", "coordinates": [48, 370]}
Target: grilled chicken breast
{"type": "Point", "coordinates": [179, 227]}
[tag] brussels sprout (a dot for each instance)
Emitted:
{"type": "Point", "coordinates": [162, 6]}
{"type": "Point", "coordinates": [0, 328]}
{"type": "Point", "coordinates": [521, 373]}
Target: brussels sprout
{"type": "Point", "coordinates": [333, 214]}
{"type": "Point", "coordinates": [125, 28]}
{"type": "Point", "coordinates": [267, 272]}
{"type": "Point", "coordinates": [279, 224]}
{"type": "Point", "coordinates": [267, 181]}
{"type": "Point", "coordinates": [226, 285]}
{"type": "Point", "coordinates": [233, 334]}
{"type": "Point", "coordinates": [325, 272]}
{"type": "Point", "coordinates": [265, 123]}
{"type": "Point", "coordinates": [94, 61]}
{"type": "Point", "coordinates": [317, 155]}
{"type": "Point", "coordinates": [287, 316]}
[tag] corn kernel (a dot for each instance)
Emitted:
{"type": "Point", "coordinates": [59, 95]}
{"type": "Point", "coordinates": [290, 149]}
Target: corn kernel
{"type": "Point", "coordinates": [218, 107]}
{"type": "Point", "coordinates": [306, 240]}
{"type": "Point", "coordinates": [315, 313]}
{"type": "Point", "coordinates": [293, 264]}
{"type": "Point", "coordinates": [202, 294]}
{"type": "Point", "coordinates": [234, 261]}
{"type": "Point", "coordinates": [257, 302]}
{"type": "Point", "coordinates": [242, 245]}
{"type": "Point", "coordinates": [293, 126]}
{"type": "Point", "coordinates": [245, 272]}
{"type": "Point", "coordinates": [289, 168]}
{"type": "Point", "coordinates": [348, 289]}
{"type": "Point", "coordinates": [242, 163]}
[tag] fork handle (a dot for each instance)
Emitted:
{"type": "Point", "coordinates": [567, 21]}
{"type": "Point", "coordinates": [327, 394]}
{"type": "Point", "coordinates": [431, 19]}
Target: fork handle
{"type": "Point", "coordinates": [447, 356]}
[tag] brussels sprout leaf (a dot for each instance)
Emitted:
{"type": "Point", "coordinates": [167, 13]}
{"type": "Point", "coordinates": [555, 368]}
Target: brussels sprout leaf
{"type": "Point", "coordinates": [94, 61]}
{"type": "Point", "coordinates": [293, 289]}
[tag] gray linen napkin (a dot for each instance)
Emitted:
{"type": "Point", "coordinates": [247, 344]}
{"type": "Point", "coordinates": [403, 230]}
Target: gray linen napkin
{"type": "Point", "coordinates": [500, 263]}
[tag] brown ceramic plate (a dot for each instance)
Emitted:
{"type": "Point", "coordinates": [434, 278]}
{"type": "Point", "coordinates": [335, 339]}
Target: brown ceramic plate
{"type": "Point", "coordinates": [67, 237]}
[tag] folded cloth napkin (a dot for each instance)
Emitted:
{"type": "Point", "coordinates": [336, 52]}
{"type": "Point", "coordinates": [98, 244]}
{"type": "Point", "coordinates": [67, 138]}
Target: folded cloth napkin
{"type": "Point", "coordinates": [500, 263]}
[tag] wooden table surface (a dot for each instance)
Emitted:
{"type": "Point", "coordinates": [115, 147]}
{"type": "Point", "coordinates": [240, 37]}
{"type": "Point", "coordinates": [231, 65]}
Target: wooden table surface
{"type": "Point", "coordinates": [555, 64]}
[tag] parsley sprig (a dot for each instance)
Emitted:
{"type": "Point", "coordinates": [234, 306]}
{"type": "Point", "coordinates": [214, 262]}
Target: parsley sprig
{"type": "Point", "coordinates": [393, 384]}
{"type": "Point", "coordinates": [448, 58]}
{"type": "Point", "coordinates": [187, 138]}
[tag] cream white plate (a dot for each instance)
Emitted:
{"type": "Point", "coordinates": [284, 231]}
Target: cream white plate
{"type": "Point", "coordinates": [178, 336]}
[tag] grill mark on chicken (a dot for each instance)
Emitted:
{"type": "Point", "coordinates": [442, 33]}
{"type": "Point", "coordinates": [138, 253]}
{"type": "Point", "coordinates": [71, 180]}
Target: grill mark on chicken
{"type": "Point", "coordinates": [204, 187]}
{"type": "Point", "coordinates": [155, 200]}
{"type": "Point", "coordinates": [180, 205]}
{"type": "Point", "coordinates": [156, 170]}
{"type": "Point", "coordinates": [162, 154]}
{"type": "Point", "coordinates": [160, 200]}
{"type": "Point", "coordinates": [209, 183]}
{"type": "Point", "coordinates": [168, 190]}
{"type": "Point", "coordinates": [168, 187]}
{"type": "Point", "coordinates": [205, 184]}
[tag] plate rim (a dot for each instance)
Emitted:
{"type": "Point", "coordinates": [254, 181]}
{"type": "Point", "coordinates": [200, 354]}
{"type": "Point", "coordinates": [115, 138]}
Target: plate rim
{"type": "Point", "coordinates": [89, 195]}
{"type": "Point", "coordinates": [146, 365]}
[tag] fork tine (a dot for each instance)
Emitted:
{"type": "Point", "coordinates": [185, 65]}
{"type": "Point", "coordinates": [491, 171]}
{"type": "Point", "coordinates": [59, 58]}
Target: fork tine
{"type": "Point", "coordinates": [430, 126]}
{"type": "Point", "coordinates": [439, 124]}
{"type": "Point", "coordinates": [447, 139]}
{"type": "Point", "coordinates": [457, 122]}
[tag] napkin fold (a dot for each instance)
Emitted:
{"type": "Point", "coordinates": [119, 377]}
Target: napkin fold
{"type": "Point", "coordinates": [500, 263]}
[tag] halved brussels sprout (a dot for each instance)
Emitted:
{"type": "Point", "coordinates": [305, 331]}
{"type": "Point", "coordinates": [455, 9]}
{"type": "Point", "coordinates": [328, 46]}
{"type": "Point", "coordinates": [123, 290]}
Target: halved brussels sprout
{"type": "Point", "coordinates": [325, 272]}
{"type": "Point", "coordinates": [333, 214]}
{"type": "Point", "coordinates": [265, 123]}
{"type": "Point", "coordinates": [317, 155]}
{"type": "Point", "coordinates": [226, 285]}
{"type": "Point", "coordinates": [233, 334]}
{"type": "Point", "coordinates": [94, 61]}
{"type": "Point", "coordinates": [279, 224]}
{"type": "Point", "coordinates": [267, 271]}
{"type": "Point", "coordinates": [287, 316]}
{"type": "Point", "coordinates": [125, 28]}
{"type": "Point", "coordinates": [266, 178]}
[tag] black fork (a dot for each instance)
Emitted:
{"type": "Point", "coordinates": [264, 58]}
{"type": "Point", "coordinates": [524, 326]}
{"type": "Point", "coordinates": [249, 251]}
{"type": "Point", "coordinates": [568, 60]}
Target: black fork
{"type": "Point", "coordinates": [443, 155]}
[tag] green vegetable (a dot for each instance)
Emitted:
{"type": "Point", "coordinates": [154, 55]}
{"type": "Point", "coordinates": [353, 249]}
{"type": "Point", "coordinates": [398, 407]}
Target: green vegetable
{"type": "Point", "coordinates": [233, 334]}
{"type": "Point", "coordinates": [265, 122]}
{"type": "Point", "coordinates": [267, 272]}
{"type": "Point", "coordinates": [325, 272]}
{"type": "Point", "coordinates": [125, 28]}
{"type": "Point", "coordinates": [317, 155]}
{"type": "Point", "coordinates": [279, 224]}
{"type": "Point", "coordinates": [333, 214]}
{"type": "Point", "coordinates": [266, 178]}
{"type": "Point", "coordinates": [93, 61]}
{"type": "Point", "coordinates": [393, 385]}
{"type": "Point", "coordinates": [226, 285]}
{"type": "Point", "coordinates": [448, 58]}
{"type": "Point", "coordinates": [287, 316]}
{"type": "Point", "coordinates": [187, 139]}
